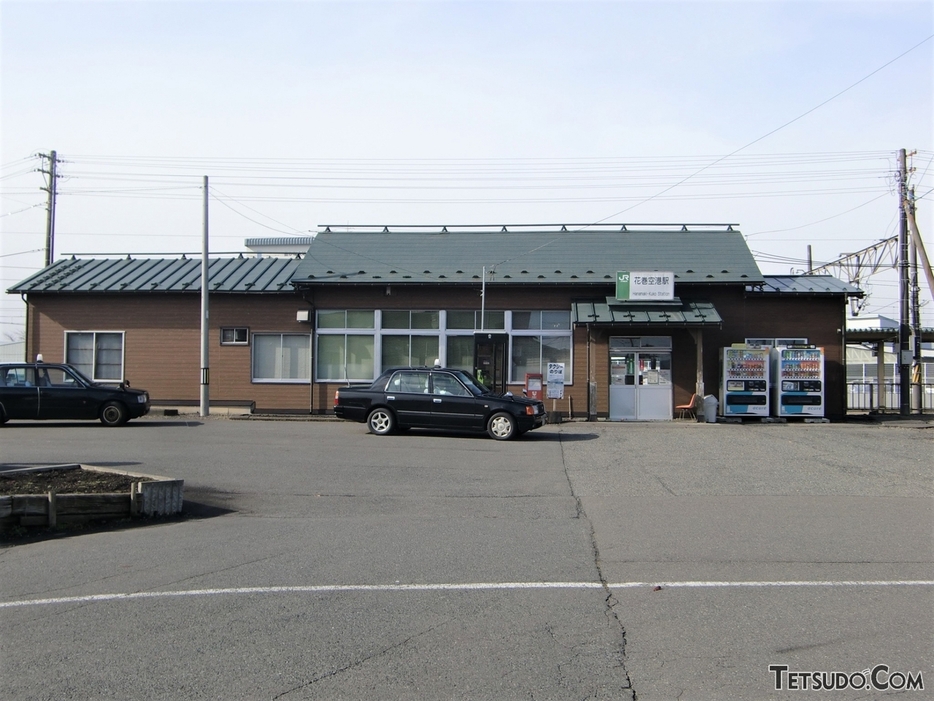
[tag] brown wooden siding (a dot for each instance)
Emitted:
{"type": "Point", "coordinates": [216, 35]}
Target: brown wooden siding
{"type": "Point", "coordinates": [162, 346]}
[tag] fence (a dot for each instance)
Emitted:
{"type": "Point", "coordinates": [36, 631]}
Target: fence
{"type": "Point", "coordinates": [865, 396]}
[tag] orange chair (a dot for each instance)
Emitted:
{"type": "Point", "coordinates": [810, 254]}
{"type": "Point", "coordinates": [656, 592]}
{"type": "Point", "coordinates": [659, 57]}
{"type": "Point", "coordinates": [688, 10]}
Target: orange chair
{"type": "Point", "coordinates": [689, 408]}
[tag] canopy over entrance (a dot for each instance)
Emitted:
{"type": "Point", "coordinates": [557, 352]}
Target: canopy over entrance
{"type": "Point", "coordinates": [674, 313]}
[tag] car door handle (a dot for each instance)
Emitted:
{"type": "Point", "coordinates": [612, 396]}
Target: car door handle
{"type": "Point", "coordinates": [436, 400]}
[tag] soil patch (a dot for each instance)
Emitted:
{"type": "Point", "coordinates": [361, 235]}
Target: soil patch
{"type": "Point", "coordinates": [73, 481]}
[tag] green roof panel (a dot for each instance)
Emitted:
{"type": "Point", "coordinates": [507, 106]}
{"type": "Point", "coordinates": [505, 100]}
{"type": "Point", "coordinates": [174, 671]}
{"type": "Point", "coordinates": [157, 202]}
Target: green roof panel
{"type": "Point", "coordinates": [526, 256]}
{"type": "Point", "coordinates": [254, 274]}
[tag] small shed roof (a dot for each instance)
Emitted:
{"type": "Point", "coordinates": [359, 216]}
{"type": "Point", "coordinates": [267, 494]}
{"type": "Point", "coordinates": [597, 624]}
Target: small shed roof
{"type": "Point", "coordinates": [95, 275]}
{"type": "Point", "coordinates": [526, 255]}
{"type": "Point", "coordinates": [805, 284]}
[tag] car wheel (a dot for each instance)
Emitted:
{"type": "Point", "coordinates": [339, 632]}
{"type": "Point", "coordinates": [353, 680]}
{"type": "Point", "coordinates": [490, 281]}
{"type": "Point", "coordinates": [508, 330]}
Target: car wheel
{"type": "Point", "coordinates": [3, 418]}
{"type": "Point", "coordinates": [381, 422]}
{"type": "Point", "coordinates": [113, 414]}
{"type": "Point", "coordinates": [502, 426]}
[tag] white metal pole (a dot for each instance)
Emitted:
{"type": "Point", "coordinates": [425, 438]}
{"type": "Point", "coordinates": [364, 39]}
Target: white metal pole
{"type": "Point", "coordinates": [483, 301]}
{"type": "Point", "coordinates": [205, 366]}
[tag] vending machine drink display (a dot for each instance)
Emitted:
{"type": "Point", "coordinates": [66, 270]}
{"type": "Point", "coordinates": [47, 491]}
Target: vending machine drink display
{"type": "Point", "coordinates": [744, 388]}
{"type": "Point", "coordinates": [798, 376]}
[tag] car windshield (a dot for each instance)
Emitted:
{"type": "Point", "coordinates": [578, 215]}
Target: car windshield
{"type": "Point", "coordinates": [475, 387]}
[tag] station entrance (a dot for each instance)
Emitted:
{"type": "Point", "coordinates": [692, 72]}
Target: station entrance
{"type": "Point", "coordinates": [641, 387]}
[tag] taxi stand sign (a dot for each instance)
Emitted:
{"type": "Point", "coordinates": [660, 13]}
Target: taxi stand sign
{"type": "Point", "coordinates": [646, 286]}
{"type": "Point", "coordinates": [555, 380]}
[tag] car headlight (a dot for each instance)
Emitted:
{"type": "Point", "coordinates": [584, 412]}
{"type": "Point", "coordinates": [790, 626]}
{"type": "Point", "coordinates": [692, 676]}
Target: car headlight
{"type": "Point", "coordinates": [142, 398]}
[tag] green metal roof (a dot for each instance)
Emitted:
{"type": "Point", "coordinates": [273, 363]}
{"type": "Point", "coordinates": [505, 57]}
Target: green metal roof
{"type": "Point", "coordinates": [645, 313]}
{"type": "Point", "coordinates": [805, 284]}
{"type": "Point", "coordinates": [884, 334]}
{"type": "Point", "coordinates": [253, 275]}
{"type": "Point", "coordinates": [525, 255]}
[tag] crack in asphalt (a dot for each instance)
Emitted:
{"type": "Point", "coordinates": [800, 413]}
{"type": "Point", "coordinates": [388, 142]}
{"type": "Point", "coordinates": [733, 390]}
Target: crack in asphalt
{"type": "Point", "coordinates": [610, 600]}
{"type": "Point", "coordinates": [359, 662]}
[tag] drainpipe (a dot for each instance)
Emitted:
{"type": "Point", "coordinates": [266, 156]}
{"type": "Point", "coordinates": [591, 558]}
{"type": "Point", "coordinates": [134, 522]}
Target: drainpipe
{"type": "Point", "coordinates": [591, 399]}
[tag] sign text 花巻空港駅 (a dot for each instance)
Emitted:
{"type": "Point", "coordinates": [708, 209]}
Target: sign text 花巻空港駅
{"type": "Point", "coordinates": [648, 285]}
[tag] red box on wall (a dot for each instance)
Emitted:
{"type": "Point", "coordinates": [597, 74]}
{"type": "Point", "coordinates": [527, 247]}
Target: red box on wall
{"type": "Point", "coordinates": [533, 385]}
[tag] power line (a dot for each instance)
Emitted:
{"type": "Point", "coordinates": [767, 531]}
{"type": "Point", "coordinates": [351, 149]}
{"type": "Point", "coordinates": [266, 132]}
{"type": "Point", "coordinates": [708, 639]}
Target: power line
{"type": "Point", "coordinates": [786, 124]}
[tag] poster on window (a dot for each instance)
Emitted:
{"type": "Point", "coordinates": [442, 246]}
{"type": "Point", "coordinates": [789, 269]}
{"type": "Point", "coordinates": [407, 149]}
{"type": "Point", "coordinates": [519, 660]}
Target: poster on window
{"type": "Point", "coordinates": [555, 381]}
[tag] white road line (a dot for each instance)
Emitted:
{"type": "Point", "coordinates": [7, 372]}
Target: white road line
{"type": "Point", "coordinates": [475, 586]}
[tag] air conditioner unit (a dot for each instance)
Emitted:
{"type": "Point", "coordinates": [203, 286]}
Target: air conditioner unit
{"type": "Point", "coordinates": [302, 315]}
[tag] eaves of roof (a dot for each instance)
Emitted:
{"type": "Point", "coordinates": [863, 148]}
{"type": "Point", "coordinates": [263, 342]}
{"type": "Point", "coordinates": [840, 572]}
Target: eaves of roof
{"type": "Point", "coordinates": [884, 334]}
{"type": "Point", "coordinates": [154, 275]}
{"type": "Point", "coordinates": [804, 285]}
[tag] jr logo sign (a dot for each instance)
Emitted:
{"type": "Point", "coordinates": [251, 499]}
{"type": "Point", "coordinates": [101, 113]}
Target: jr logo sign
{"type": "Point", "coordinates": [646, 286]}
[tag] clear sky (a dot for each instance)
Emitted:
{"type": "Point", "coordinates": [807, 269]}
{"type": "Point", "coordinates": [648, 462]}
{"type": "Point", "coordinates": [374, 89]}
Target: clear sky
{"type": "Point", "coordinates": [781, 117]}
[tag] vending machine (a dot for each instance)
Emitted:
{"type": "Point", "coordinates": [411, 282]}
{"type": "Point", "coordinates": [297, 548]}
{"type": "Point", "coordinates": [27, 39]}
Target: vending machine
{"type": "Point", "coordinates": [744, 387]}
{"type": "Point", "coordinates": [798, 381]}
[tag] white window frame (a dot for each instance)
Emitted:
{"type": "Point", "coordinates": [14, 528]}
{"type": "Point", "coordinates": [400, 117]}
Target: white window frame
{"type": "Point", "coordinates": [372, 332]}
{"type": "Point", "coordinates": [304, 380]}
{"type": "Point", "coordinates": [92, 374]}
{"type": "Point", "coordinates": [235, 329]}
{"type": "Point", "coordinates": [377, 332]}
{"type": "Point", "coordinates": [541, 333]}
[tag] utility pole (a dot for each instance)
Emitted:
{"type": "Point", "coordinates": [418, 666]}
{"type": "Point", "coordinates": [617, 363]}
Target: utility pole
{"type": "Point", "coordinates": [916, 399]}
{"type": "Point", "coordinates": [904, 330]}
{"type": "Point", "coordinates": [50, 219]}
{"type": "Point", "coordinates": [205, 407]}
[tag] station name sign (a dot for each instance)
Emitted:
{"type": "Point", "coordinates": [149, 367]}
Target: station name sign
{"type": "Point", "coordinates": [645, 286]}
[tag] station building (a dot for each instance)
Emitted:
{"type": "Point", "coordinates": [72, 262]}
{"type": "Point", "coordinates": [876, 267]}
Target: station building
{"type": "Point", "coordinates": [636, 315]}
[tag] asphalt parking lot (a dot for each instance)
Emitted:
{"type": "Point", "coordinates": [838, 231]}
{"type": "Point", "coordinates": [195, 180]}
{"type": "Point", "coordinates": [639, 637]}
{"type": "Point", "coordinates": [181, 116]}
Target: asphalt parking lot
{"type": "Point", "coordinates": [586, 560]}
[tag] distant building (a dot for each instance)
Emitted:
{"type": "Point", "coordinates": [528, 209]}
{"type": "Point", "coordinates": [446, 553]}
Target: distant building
{"type": "Point", "coordinates": [872, 365]}
{"type": "Point", "coordinates": [13, 352]}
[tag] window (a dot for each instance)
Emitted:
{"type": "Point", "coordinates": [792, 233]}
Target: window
{"type": "Point", "coordinates": [345, 357]}
{"type": "Point", "coordinates": [97, 354]}
{"type": "Point", "coordinates": [547, 320]}
{"type": "Point", "coordinates": [447, 385]}
{"type": "Point", "coordinates": [239, 336]}
{"type": "Point", "coordinates": [357, 345]}
{"type": "Point", "coordinates": [404, 349]}
{"type": "Point", "coordinates": [346, 345]}
{"type": "Point", "coordinates": [539, 337]}
{"type": "Point", "coordinates": [409, 381]}
{"type": "Point", "coordinates": [346, 319]}
{"type": "Point", "coordinates": [18, 377]}
{"type": "Point", "coordinates": [460, 352]}
{"type": "Point", "coordinates": [281, 357]}
{"type": "Point", "coordinates": [59, 378]}
{"type": "Point", "coordinates": [409, 350]}
{"type": "Point", "coordinates": [470, 320]}
{"type": "Point", "coordinates": [410, 320]}
{"type": "Point", "coordinates": [531, 354]}
{"type": "Point", "coordinates": [460, 326]}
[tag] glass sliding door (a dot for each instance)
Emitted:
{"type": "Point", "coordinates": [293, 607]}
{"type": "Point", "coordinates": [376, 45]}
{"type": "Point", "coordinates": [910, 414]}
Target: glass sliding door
{"type": "Point", "coordinates": [640, 379]}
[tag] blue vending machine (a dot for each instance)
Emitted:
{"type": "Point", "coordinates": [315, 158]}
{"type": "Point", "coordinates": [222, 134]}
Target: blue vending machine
{"type": "Point", "coordinates": [744, 383]}
{"type": "Point", "coordinates": [798, 389]}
